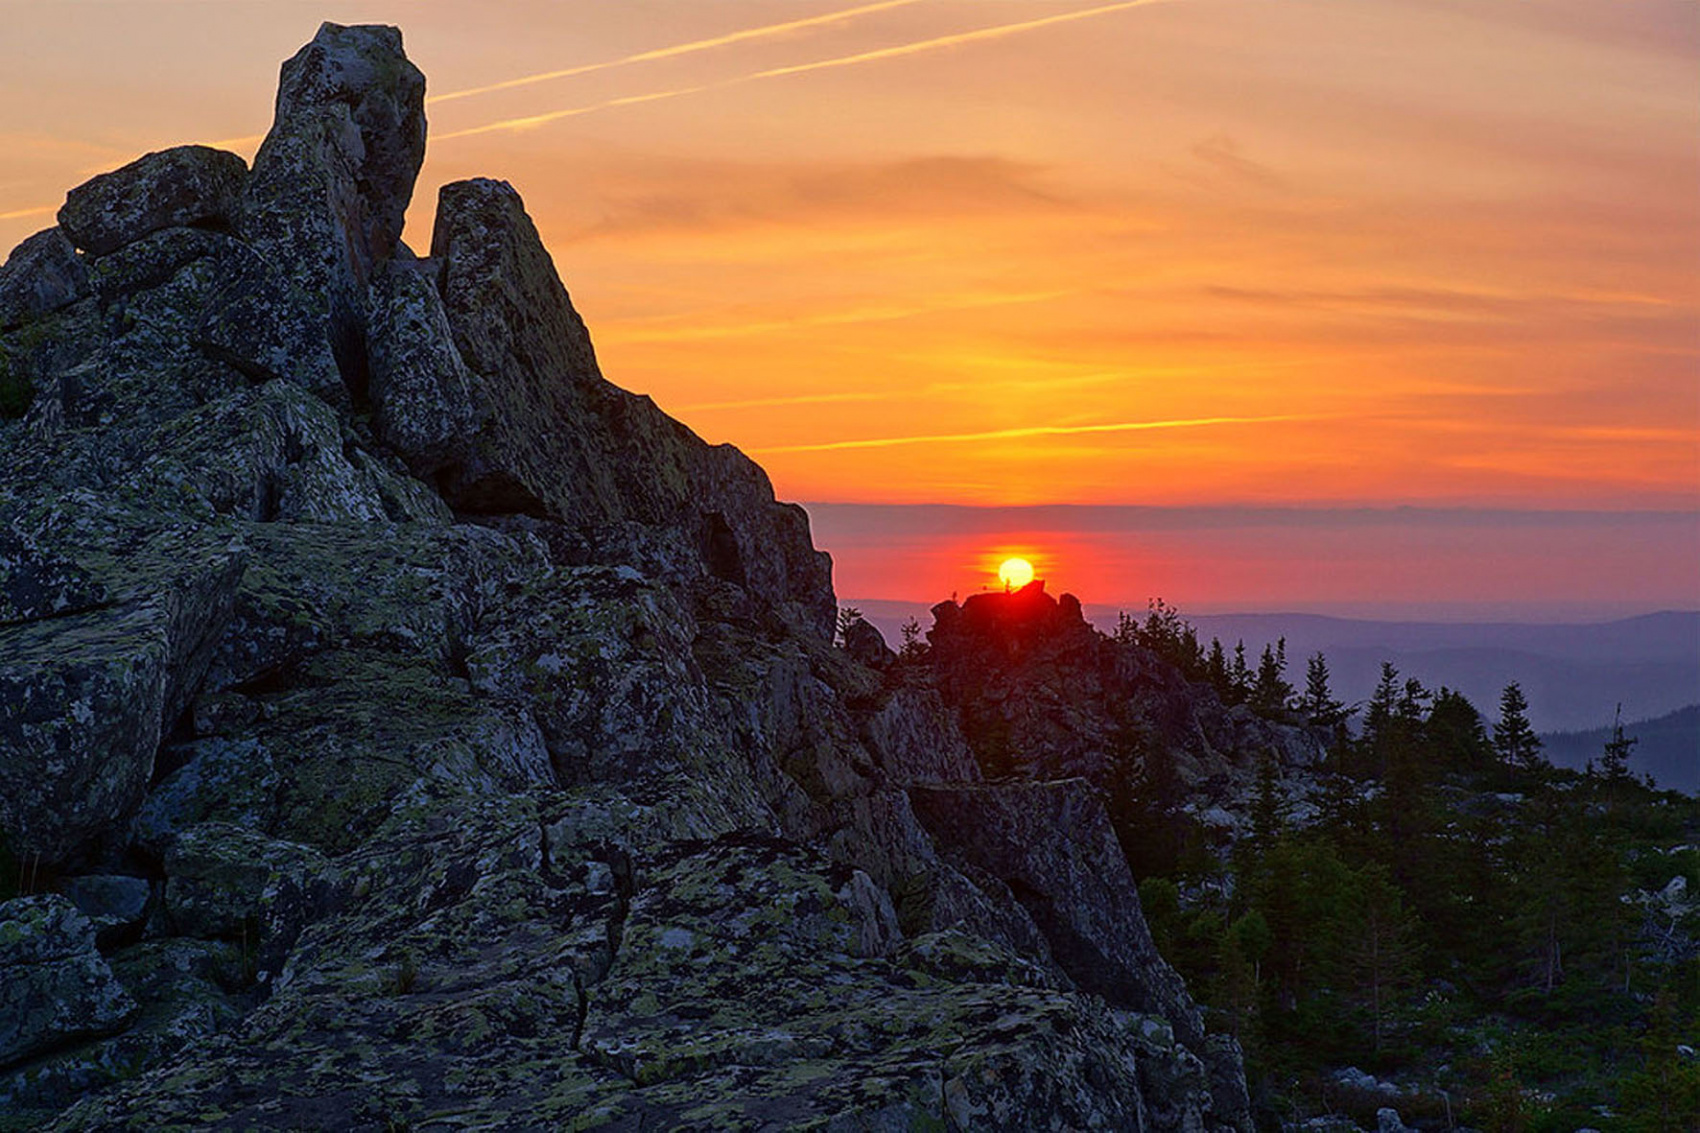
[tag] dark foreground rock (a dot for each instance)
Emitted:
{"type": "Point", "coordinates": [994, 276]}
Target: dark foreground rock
{"type": "Point", "coordinates": [402, 726]}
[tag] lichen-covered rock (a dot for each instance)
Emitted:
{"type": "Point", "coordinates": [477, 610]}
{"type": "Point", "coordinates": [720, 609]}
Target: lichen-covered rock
{"type": "Point", "coordinates": [277, 453]}
{"type": "Point", "coordinates": [332, 180]}
{"type": "Point", "coordinates": [41, 275]}
{"type": "Point", "coordinates": [917, 741]}
{"type": "Point", "coordinates": [85, 700]}
{"type": "Point", "coordinates": [175, 188]}
{"type": "Point", "coordinates": [1054, 842]}
{"type": "Point", "coordinates": [113, 903]}
{"type": "Point", "coordinates": [562, 442]}
{"type": "Point", "coordinates": [422, 396]}
{"type": "Point", "coordinates": [230, 882]}
{"type": "Point", "coordinates": [178, 984]}
{"type": "Point", "coordinates": [231, 781]}
{"type": "Point", "coordinates": [54, 986]}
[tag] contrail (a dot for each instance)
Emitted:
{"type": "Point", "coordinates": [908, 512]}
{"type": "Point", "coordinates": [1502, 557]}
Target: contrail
{"type": "Point", "coordinates": [19, 214]}
{"type": "Point", "coordinates": [997, 31]}
{"type": "Point", "coordinates": [678, 49]}
{"type": "Point", "coordinates": [1035, 431]}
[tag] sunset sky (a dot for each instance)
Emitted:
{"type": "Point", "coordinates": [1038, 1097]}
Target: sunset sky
{"type": "Point", "coordinates": [1366, 304]}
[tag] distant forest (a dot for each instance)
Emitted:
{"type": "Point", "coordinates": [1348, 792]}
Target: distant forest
{"type": "Point", "coordinates": [1438, 918]}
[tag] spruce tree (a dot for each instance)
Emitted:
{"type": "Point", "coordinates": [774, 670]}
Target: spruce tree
{"type": "Point", "coordinates": [1318, 704]}
{"type": "Point", "coordinates": [1239, 677]}
{"type": "Point", "coordinates": [1515, 741]}
{"type": "Point", "coordinates": [1270, 692]}
{"type": "Point", "coordinates": [1614, 761]}
{"type": "Point", "coordinates": [1216, 669]}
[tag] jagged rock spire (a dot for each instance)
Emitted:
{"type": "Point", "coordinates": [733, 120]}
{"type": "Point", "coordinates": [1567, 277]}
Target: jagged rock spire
{"type": "Point", "coordinates": [332, 181]}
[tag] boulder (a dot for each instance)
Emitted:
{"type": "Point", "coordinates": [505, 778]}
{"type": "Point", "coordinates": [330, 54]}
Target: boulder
{"type": "Point", "coordinates": [230, 781]}
{"type": "Point", "coordinates": [1387, 1120]}
{"type": "Point", "coordinates": [864, 642]}
{"type": "Point", "coordinates": [230, 882]}
{"type": "Point", "coordinates": [54, 986]}
{"type": "Point", "coordinates": [41, 275]}
{"type": "Point", "coordinates": [85, 699]}
{"type": "Point", "coordinates": [423, 400]}
{"type": "Point", "coordinates": [178, 984]}
{"type": "Point", "coordinates": [332, 180]}
{"type": "Point", "coordinates": [113, 903]}
{"type": "Point", "coordinates": [187, 186]}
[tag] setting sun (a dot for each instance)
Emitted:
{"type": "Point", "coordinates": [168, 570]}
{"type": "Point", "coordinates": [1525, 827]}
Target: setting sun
{"type": "Point", "coordinates": [1015, 573]}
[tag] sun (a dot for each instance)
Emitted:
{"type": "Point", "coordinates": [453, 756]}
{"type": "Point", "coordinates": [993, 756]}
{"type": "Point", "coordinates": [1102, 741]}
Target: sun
{"type": "Point", "coordinates": [1015, 573]}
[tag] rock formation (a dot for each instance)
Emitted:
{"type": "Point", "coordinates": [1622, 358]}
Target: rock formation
{"type": "Point", "coordinates": [400, 725]}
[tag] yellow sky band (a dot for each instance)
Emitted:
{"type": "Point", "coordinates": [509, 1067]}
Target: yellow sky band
{"type": "Point", "coordinates": [1037, 431]}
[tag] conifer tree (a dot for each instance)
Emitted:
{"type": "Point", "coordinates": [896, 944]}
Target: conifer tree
{"type": "Point", "coordinates": [1318, 704]}
{"type": "Point", "coordinates": [1515, 741]}
{"type": "Point", "coordinates": [1614, 761]}
{"type": "Point", "coordinates": [1239, 677]}
{"type": "Point", "coordinates": [1270, 692]}
{"type": "Point", "coordinates": [1216, 669]}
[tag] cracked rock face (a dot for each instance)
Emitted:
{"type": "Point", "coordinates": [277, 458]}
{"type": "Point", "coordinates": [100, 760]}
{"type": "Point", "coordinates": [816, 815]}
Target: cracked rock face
{"type": "Point", "coordinates": [432, 727]}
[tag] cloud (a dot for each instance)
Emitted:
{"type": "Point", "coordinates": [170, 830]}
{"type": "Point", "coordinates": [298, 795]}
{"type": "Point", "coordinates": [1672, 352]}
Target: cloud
{"type": "Point", "coordinates": [1223, 154]}
{"type": "Point", "coordinates": [902, 50]}
{"type": "Point", "coordinates": [766, 31]}
{"type": "Point", "coordinates": [676, 195]}
{"type": "Point", "coordinates": [699, 330]}
{"type": "Point", "coordinates": [1035, 431]}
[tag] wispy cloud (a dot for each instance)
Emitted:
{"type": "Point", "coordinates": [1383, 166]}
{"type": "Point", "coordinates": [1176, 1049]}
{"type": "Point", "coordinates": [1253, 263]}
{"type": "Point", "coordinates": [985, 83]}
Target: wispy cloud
{"type": "Point", "coordinates": [1036, 431]}
{"type": "Point", "coordinates": [767, 31]}
{"type": "Point", "coordinates": [851, 317]}
{"type": "Point", "coordinates": [937, 43]}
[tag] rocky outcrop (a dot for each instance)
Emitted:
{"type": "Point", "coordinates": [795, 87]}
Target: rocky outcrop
{"type": "Point", "coordinates": [85, 699]}
{"type": "Point", "coordinates": [1042, 695]}
{"type": "Point", "coordinates": [425, 725]}
{"type": "Point", "coordinates": [332, 181]}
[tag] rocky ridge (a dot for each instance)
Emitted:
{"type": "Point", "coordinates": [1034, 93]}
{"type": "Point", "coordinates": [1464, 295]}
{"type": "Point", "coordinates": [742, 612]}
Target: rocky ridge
{"type": "Point", "coordinates": [402, 725]}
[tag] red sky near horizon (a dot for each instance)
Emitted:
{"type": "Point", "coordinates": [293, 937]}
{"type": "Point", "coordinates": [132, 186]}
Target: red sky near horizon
{"type": "Point", "coordinates": [1188, 254]}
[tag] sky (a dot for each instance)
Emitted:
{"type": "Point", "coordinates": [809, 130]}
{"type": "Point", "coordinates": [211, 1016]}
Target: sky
{"type": "Point", "coordinates": [1248, 304]}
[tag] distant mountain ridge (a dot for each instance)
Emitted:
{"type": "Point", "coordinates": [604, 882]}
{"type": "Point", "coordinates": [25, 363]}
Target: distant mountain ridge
{"type": "Point", "coordinates": [1575, 674]}
{"type": "Point", "coordinates": [1667, 748]}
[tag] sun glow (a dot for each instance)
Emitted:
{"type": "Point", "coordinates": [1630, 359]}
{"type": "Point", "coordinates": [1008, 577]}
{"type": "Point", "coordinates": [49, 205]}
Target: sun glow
{"type": "Point", "coordinates": [1015, 573]}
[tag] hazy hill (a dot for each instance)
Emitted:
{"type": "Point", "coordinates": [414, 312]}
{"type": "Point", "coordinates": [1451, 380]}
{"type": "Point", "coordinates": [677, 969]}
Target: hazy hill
{"type": "Point", "coordinates": [1667, 748]}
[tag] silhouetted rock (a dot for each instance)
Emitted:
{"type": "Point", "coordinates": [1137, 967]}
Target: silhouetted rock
{"type": "Point", "coordinates": [332, 180]}
{"type": "Point", "coordinates": [867, 645]}
{"type": "Point", "coordinates": [187, 186]}
{"type": "Point", "coordinates": [41, 275]}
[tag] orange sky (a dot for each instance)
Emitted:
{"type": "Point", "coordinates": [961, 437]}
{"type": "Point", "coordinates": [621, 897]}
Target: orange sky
{"type": "Point", "coordinates": [1005, 252]}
